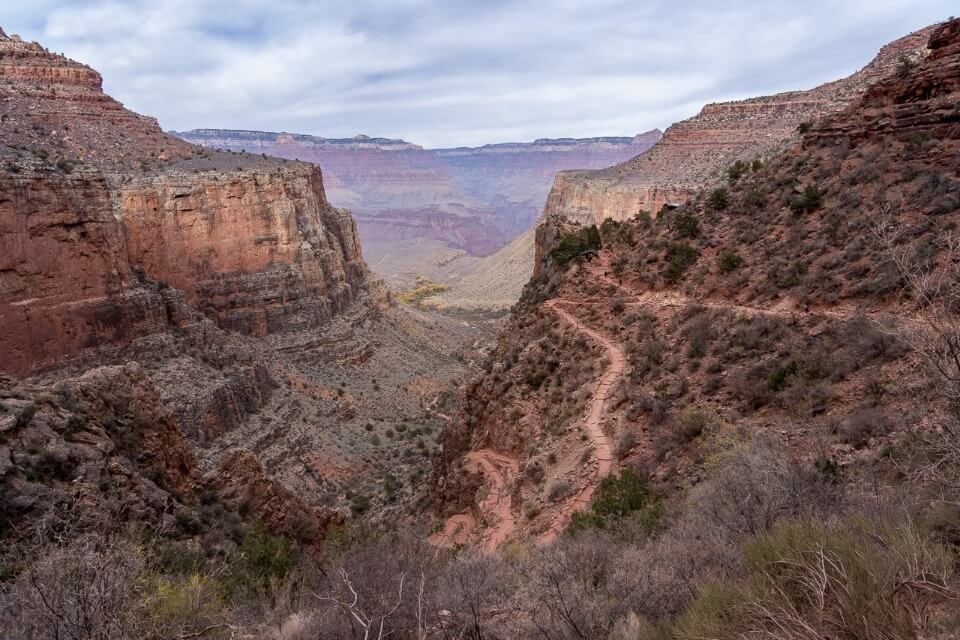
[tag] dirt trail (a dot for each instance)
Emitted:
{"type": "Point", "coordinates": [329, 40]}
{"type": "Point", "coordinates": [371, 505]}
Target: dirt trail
{"type": "Point", "coordinates": [501, 470]}
{"type": "Point", "coordinates": [593, 424]}
{"type": "Point", "coordinates": [496, 507]}
{"type": "Point", "coordinates": [785, 309]}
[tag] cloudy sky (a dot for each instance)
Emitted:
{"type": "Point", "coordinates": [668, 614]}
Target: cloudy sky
{"type": "Point", "coordinates": [458, 72]}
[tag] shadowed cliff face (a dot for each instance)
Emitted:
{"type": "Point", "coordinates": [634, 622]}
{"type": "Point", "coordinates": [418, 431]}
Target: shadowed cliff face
{"type": "Point", "coordinates": [476, 199]}
{"type": "Point", "coordinates": [91, 191]}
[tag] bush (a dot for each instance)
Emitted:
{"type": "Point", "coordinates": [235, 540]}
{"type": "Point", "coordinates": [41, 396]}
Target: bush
{"type": "Point", "coordinates": [263, 561]}
{"type": "Point", "coordinates": [360, 504]}
{"type": "Point", "coordinates": [558, 491]}
{"type": "Point", "coordinates": [628, 440]}
{"type": "Point", "coordinates": [618, 496]}
{"type": "Point", "coordinates": [848, 578]}
{"type": "Point", "coordinates": [737, 170]}
{"type": "Point", "coordinates": [719, 199]}
{"type": "Point", "coordinates": [26, 415]}
{"type": "Point", "coordinates": [728, 260]}
{"type": "Point", "coordinates": [574, 244]}
{"type": "Point", "coordinates": [809, 200]}
{"type": "Point", "coordinates": [680, 257]}
{"type": "Point", "coordinates": [862, 424]}
{"type": "Point", "coordinates": [686, 225]}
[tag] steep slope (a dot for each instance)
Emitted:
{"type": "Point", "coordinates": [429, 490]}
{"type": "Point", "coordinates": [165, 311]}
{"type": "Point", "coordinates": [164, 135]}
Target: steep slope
{"type": "Point", "coordinates": [696, 149]}
{"type": "Point", "coordinates": [689, 153]}
{"type": "Point", "coordinates": [767, 304]}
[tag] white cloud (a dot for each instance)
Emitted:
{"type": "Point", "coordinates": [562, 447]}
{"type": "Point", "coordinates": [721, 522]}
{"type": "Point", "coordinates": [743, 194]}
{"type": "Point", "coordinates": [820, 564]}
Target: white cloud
{"type": "Point", "coordinates": [450, 72]}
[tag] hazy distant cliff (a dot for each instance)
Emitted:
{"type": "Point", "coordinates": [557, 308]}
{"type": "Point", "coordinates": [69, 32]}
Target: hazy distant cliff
{"type": "Point", "coordinates": [476, 199]}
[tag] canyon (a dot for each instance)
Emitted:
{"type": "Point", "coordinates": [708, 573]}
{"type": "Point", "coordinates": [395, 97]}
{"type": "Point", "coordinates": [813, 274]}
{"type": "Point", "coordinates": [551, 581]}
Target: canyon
{"type": "Point", "coordinates": [749, 301]}
{"type": "Point", "coordinates": [433, 211]}
{"type": "Point", "coordinates": [722, 405]}
{"type": "Point", "coordinates": [691, 152]}
{"type": "Point", "coordinates": [191, 338]}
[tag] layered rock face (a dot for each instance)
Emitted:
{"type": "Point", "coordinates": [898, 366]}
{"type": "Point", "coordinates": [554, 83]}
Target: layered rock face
{"type": "Point", "coordinates": [92, 191]}
{"type": "Point", "coordinates": [694, 150]}
{"type": "Point", "coordinates": [65, 281]}
{"type": "Point", "coordinates": [56, 106]}
{"type": "Point", "coordinates": [258, 250]}
{"type": "Point", "coordinates": [476, 199]}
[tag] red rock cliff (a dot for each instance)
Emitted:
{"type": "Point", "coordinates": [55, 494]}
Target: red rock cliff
{"type": "Point", "coordinates": [91, 192]}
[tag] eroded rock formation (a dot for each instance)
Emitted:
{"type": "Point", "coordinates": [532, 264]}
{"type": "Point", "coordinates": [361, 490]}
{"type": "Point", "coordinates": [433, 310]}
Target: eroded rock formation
{"type": "Point", "coordinates": [700, 147]}
{"type": "Point", "coordinates": [476, 199]}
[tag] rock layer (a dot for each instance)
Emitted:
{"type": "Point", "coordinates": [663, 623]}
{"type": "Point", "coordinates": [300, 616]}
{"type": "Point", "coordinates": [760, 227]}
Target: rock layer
{"type": "Point", "coordinates": [92, 194]}
{"type": "Point", "coordinates": [476, 199]}
{"type": "Point", "coordinates": [694, 150]}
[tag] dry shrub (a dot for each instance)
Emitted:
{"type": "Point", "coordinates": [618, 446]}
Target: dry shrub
{"type": "Point", "coordinates": [862, 424]}
{"type": "Point", "coordinates": [85, 590]}
{"type": "Point", "coordinates": [858, 577]}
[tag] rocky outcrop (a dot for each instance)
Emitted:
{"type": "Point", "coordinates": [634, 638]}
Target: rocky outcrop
{"type": "Point", "coordinates": [918, 104]}
{"type": "Point", "coordinates": [95, 450]}
{"type": "Point", "coordinates": [56, 107]}
{"type": "Point", "coordinates": [240, 480]}
{"type": "Point", "coordinates": [259, 250]}
{"type": "Point", "coordinates": [694, 150]}
{"type": "Point", "coordinates": [65, 281]}
{"type": "Point", "coordinates": [477, 199]}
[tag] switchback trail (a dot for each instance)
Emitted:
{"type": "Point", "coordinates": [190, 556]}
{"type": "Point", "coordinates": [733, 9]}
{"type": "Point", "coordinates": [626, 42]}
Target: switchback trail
{"type": "Point", "coordinates": [593, 424]}
{"type": "Point", "coordinates": [500, 469]}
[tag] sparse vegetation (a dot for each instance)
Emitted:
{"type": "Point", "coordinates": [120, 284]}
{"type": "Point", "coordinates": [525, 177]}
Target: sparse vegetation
{"type": "Point", "coordinates": [423, 288]}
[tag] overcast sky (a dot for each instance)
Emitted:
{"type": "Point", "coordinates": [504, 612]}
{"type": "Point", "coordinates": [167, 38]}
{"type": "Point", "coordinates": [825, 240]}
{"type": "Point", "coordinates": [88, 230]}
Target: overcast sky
{"type": "Point", "coordinates": [458, 72]}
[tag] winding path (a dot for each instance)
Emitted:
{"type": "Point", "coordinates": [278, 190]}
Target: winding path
{"type": "Point", "coordinates": [500, 469]}
{"type": "Point", "coordinates": [593, 424]}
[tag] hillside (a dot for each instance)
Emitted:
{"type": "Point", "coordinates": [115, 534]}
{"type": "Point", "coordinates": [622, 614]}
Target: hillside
{"type": "Point", "coordinates": [690, 152]}
{"type": "Point", "coordinates": [769, 308]}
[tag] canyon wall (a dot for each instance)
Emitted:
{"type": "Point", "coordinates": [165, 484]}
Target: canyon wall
{"type": "Point", "coordinates": [699, 148]}
{"type": "Point", "coordinates": [476, 199]}
{"type": "Point", "coordinates": [65, 281]}
{"type": "Point", "coordinates": [259, 250]}
{"type": "Point", "coordinates": [91, 195]}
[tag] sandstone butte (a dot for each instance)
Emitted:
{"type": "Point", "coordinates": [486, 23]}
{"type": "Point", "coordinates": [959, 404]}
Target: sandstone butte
{"type": "Point", "coordinates": [690, 153]}
{"type": "Point", "coordinates": [96, 200]}
{"type": "Point", "coordinates": [475, 199]}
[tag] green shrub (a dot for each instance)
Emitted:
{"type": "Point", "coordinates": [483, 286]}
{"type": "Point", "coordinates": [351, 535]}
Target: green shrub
{"type": "Point", "coordinates": [619, 496]}
{"type": "Point", "coordinates": [777, 379]}
{"type": "Point", "coordinates": [686, 225]}
{"type": "Point", "coordinates": [809, 200]}
{"type": "Point", "coordinates": [574, 244]}
{"type": "Point", "coordinates": [680, 257]}
{"type": "Point", "coordinates": [729, 260]}
{"type": "Point", "coordinates": [263, 560]}
{"type": "Point", "coordinates": [719, 199]}
{"type": "Point", "coordinates": [804, 127]}
{"type": "Point", "coordinates": [737, 170]}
